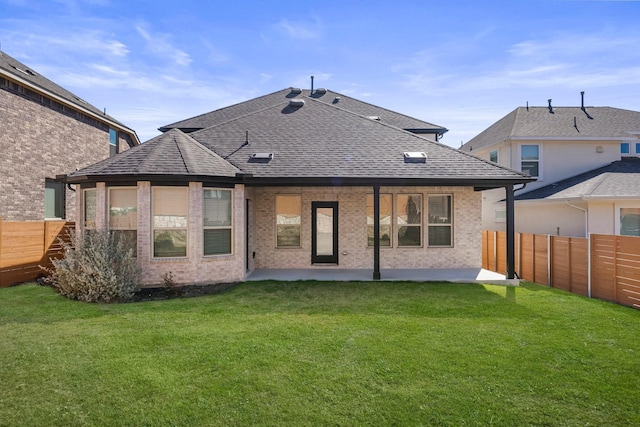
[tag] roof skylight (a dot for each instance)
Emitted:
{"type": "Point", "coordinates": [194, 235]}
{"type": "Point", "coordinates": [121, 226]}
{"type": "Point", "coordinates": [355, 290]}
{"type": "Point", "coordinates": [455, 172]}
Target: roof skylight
{"type": "Point", "coordinates": [414, 157]}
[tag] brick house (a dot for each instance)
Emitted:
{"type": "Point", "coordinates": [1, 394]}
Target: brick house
{"type": "Point", "coordinates": [292, 180]}
{"type": "Point", "coordinates": [46, 132]}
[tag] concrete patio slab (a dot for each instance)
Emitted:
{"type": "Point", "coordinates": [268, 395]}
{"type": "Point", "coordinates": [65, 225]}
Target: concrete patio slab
{"type": "Point", "coordinates": [457, 275]}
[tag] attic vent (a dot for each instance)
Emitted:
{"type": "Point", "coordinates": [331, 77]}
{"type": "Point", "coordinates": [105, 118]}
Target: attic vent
{"type": "Point", "coordinates": [415, 157]}
{"type": "Point", "coordinates": [376, 118]}
{"type": "Point", "coordinates": [297, 103]}
{"type": "Point", "coordinates": [320, 91]}
{"type": "Point", "coordinates": [25, 71]}
{"type": "Point", "coordinates": [262, 156]}
{"type": "Point", "coordinates": [296, 90]}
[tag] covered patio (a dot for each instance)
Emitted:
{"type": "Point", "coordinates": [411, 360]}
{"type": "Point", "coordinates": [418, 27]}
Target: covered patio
{"type": "Point", "coordinates": [456, 275]}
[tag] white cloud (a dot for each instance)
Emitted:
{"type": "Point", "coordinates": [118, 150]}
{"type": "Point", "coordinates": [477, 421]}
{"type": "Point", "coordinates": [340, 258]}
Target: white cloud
{"type": "Point", "coordinates": [299, 30]}
{"type": "Point", "coordinates": [160, 45]}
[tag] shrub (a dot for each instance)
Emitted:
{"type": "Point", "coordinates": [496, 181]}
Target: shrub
{"type": "Point", "coordinates": [97, 267]}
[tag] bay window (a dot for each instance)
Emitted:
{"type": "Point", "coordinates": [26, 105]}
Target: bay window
{"type": "Point", "coordinates": [123, 214]}
{"type": "Point", "coordinates": [217, 222]}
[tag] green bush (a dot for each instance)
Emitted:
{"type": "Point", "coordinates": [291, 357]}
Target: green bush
{"type": "Point", "coordinates": [97, 267]}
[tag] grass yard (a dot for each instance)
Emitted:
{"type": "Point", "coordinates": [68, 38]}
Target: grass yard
{"type": "Point", "coordinates": [313, 353]}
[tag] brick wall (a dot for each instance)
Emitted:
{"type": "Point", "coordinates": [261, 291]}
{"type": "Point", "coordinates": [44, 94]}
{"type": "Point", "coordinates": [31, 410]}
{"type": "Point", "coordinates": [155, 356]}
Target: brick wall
{"type": "Point", "coordinates": [353, 250]}
{"type": "Point", "coordinates": [39, 142]}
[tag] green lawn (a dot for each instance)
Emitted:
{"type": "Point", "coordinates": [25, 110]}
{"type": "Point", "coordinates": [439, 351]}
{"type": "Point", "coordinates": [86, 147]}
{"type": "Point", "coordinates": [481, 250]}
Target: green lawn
{"type": "Point", "coordinates": [318, 353]}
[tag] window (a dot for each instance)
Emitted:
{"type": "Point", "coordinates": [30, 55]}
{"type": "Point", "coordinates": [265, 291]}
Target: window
{"type": "Point", "coordinates": [123, 214]}
{"type": "Point", "coordinates": [53, 199]}
{"type": "Point", "coordinates": [169, 221]}
{"type": "Point", "coordinates": [288, 220]}
{"type": "Point", "coordinates": [90, 205]}
{"type": "Point", "coordinates": [624, 148]}
{"type": "Point", "coordinates": [216, 213]}
{"type": "Point", "coordinates": [385, 219]}
{"type": "Point", "coordinates": [113, 142]}
{"type": "Point", "coordinates": [493, 156]}
{"type": "Point", "coordinates": [530, 159]}
{"type": "Point", "coordinates": [440, 223]}
{"type": "Point", "coordinates": [630, 221]}
{"type": "Point", "coordinates": [500, 215]}
{"type": "Point", "coordinates": [409, 219]}
{"type": "Point", "coordinates": [637, 147]}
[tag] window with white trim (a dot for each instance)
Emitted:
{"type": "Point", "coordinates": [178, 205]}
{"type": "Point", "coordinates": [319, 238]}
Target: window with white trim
{"type": "Point", "coordinates": [386, 215]}
{"type": "Point", "coordinates": [169, 221]}
{"type": "Point", "coordinates": [530, 159]}
{"type": "Point", "coordinates": [409, 219]}
{"type": "Point", "coordinates": [288, 221]}
{"type": "Point", "coordinates": [123, 214]}
{"type": "Point", "coordinates": [217, 221]}
{"type": "Point", "coordinates": [493, 156]}
{"type": "Point", "coordinates": [625, 148]}
{"type": "Point", "coordinates": [440, 225]}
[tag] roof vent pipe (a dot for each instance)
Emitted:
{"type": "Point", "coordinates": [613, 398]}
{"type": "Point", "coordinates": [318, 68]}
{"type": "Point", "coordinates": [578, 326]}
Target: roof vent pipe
{"type": "Point", "coordinates": [582, 105]}
{"type": "Point", "coordinates": [550, 107]}
{"type": "Point", "coordinates": [311, 84]}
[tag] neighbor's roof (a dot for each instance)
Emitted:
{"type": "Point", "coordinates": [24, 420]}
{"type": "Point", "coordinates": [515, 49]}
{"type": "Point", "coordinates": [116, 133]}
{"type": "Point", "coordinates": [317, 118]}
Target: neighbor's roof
{"type": "Point", "coordinates": [301, 141]}
{"type": "Point", "coordinates": [605, 123]}
{"type": "Point", "coordinates": [15, 70]}
{"type": "Point", "coordinates": [619, 179]}
{"type": "Point", "coordinates": [171, 154]}
{"type": "Point", "coordinates": [384, 115]}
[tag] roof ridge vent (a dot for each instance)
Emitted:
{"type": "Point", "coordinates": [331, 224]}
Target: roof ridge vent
{"type": "Point", "coordinates": [296, 102]}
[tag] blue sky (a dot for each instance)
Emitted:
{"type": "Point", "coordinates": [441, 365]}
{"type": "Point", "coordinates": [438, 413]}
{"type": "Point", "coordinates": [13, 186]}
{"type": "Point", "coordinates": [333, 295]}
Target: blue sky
{"type": "Point", "coordinates": [461, 65]}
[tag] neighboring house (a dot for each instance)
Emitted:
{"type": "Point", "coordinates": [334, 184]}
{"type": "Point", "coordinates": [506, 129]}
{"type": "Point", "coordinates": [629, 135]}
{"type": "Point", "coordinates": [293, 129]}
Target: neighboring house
{"type": "Point", "coordinates": [295, 182]}
{"type": "Point", "coordinates": [46, 132]}
{"type": "Point", "coordinates": [587, 152]}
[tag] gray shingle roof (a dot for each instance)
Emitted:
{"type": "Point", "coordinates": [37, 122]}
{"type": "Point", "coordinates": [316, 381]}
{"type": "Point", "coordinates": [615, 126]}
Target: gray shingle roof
{"type": "Point", "coordinates": [318, 142]}
{"type": "Point", "coordinates": [564, 123]}
{"type": "Point", "coordinates": [223, 115]}
{"type": "Point", "coordinates": [15, 68]}
{"type": "Point", "coordinates": [173, 153]}
{"type": "Point", "coordinates": [617, 179]}
{"type": "Point", "coordinates": [324, 140]}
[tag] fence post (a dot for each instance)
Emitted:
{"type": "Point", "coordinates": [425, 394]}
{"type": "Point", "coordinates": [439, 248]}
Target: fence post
{"type": "Point", "coordinates": [549, 253]}
{"type": "Point", "coordinates": [0, 250]}
{"type": "Point", "coordinates": [589, 265]}
{"type": "Point", "coordinates": [615, 268]}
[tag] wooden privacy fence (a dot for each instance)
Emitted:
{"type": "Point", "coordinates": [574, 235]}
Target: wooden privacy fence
{"type": "Point", "coordinates": [603, 266]}
{"type": "Point", "coordinates": [24, 246]}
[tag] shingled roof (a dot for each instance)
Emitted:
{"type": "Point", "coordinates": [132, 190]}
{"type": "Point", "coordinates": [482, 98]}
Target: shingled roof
{"type": "Point", "coordinates": [172, 154]}
{"type": "Point", "coordinates": [618, 179]}
{"type": "Point", "coordinates": [563, 123]}
{"type": "Point", "coordinates": [384, 115]}
{"type": "Point", "coordinates": [16, 70]}
{"type": "Point", "coordinates": [304, 141]}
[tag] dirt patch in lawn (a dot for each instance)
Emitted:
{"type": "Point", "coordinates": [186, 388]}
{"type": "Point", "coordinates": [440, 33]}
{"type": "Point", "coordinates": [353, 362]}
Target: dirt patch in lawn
{"type": "Point", "coordinates": [163, 292]}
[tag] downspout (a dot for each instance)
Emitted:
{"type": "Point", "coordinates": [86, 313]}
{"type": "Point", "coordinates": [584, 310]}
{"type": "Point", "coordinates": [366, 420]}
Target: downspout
{"type": "Point", "coordinates": [586, 233]}
{"type": "Point", "coordinates": [586, 217]}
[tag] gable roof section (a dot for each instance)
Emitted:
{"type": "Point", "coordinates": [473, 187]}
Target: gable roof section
{"type": "Point", "coordinates": [324, 141]}
{"type": "Point", "coordinates": [384, 115]}
{"type": "Point", "coordinates": [172, 154]}
{"type": "Point", "coordinates": [15, 70]}
{"type": "Point", "coordinates": [620, 179]}
{"type": "Point", "coordinates": [565, 123]}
